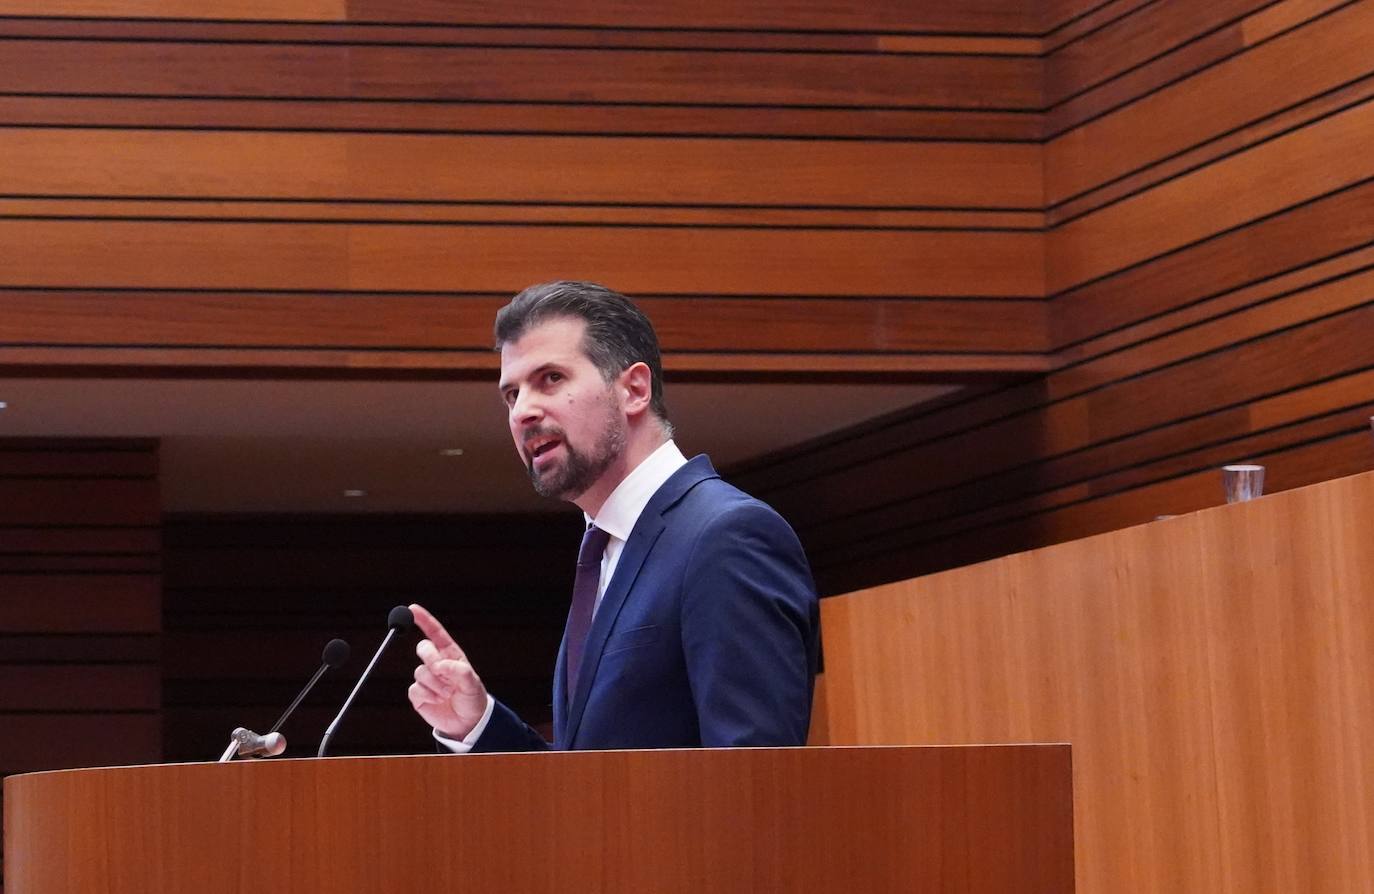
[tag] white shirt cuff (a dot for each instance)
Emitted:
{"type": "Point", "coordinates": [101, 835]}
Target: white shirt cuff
{"type": "Point", "coordinates": [464, 745]}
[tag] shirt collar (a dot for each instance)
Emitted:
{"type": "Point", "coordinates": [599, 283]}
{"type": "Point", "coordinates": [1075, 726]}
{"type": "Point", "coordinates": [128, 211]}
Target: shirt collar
{"type": "Point", "coordinates": [625, 504]}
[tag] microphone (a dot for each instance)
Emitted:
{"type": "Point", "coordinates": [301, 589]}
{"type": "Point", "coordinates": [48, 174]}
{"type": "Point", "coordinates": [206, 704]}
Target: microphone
{"type": "Point", "coordinates": [397, 620]}
{"type": "Point", "coordinates": [246, 743]}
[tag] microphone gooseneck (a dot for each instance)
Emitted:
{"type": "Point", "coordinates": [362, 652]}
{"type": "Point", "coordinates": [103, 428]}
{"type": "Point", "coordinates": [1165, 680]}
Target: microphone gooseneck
{"type": "Point", "coordinates": [397, 620]}
{"type": "Point", "coordinates": [335, 654]}
{"type": "Point", "coordinates": [246, 743]}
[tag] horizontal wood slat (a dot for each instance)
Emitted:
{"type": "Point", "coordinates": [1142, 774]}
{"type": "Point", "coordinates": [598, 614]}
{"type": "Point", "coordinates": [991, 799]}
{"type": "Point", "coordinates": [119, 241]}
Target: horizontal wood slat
{"type": "Point", "coordinates": [56, 741]}
{"type": "Point", "coordinates": [75, 650]}
{"type": "Point", "coordinates": [506, 259]}
{"type": "Point", "coordinates": [520, 118]}
{"type": "Point", "coordinates": [75, 603]}
{"type": "Point", "coordinates": [996, 16]}
{"type": "Point", "coordinates": [479, 213]}
{"type": "Point", "coordinates": [517, 170]}
{"type": "Point", "coordinates": [91, 687]}
{"type": "Point", "coordinates": [987, 16]}
{"type": "Point", "coordinates": [515, 36]}
{"type": "Point", "coordinates": [502, 74]}
{"type": "Point", "coordinates": [59, 501]}
{"type": "Point", "coordinates": [464, 322]}
{"type": "Point", "coordinates": [35, 462]}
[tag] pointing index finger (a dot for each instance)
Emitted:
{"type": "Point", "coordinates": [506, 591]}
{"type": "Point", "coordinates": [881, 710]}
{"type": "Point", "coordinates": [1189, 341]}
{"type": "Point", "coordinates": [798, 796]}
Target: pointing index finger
{"type": "Point", "coordinates": [432, 629]}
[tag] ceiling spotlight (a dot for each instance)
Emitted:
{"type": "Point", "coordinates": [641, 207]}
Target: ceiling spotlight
{"type": "Point", "coordinates": [451, 451]}
{"type": "Point", "coordinates": [355, 493]}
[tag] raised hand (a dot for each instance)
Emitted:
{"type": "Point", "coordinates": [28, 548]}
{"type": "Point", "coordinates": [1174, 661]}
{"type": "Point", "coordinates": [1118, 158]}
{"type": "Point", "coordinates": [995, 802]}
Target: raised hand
{"type": "Point", "coordinates": [447, 692]}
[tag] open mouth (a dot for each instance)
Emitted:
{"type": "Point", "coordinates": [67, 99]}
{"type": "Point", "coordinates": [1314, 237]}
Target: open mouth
{"type": "Point", "coordinates": [541, 447]}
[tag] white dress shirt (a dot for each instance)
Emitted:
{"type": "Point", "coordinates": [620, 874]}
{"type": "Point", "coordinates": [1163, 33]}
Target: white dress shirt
{"type": "Point", "coordinates": [617, 517]}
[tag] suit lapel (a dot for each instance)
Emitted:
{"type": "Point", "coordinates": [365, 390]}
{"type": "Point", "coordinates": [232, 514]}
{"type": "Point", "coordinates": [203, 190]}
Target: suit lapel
{"type": "Point", "coordinates": [642, 539]}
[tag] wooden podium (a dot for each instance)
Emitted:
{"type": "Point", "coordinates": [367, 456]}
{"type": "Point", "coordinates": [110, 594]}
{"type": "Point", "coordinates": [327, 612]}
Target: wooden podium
{"type": "Point", "coordinates": [948, 819]}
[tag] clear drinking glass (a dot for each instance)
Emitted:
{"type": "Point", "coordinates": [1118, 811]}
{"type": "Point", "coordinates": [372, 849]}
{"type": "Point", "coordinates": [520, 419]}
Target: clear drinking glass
{"type": "Point", "coordinates": [1243, 481]}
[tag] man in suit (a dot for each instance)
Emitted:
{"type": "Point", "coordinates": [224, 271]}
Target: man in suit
{"type": "Point", "coordinates": [694, 617]}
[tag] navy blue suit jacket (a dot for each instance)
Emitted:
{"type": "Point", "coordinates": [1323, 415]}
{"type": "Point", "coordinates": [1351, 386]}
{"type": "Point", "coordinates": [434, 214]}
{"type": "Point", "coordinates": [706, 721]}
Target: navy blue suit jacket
{"type": "Point", "coordinates": [707, 634]}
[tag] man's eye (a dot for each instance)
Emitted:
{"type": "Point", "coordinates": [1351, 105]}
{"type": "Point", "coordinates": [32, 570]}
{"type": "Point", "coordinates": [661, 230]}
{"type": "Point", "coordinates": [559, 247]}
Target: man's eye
{"type": "Point", "coordinates": [555, 377]}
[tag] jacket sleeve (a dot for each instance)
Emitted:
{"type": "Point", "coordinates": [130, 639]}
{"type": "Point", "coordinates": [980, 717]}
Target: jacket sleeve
{"type": "Point", "coordinates": [507, 732]}
{"type": "Point", "coordinates": [750, 625]}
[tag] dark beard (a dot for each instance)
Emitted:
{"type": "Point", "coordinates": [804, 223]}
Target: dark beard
{"type": "Point", "coordinates": [580, 471]}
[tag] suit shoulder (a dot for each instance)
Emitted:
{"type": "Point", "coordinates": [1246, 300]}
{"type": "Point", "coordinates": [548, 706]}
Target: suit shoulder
{"type": "Point", "coordinates": [714, 502]}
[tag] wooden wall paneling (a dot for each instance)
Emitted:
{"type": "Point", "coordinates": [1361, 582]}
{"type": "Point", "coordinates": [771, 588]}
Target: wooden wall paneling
{"type": "Point", "coordinates": [1145, 403]}
{"type": "Point", "coordinates": [1316, 160]}
{"type": "Point", "coordinates": [1278, 18]}
{"type": "Point", "coordinates": [1134, 40]}
{"type": "Point", "coordinates": [704, 173]}
{"type": "Point", "coordinates": [1073, 20]}
{"type": "Point", "coordinates": [1316, 275]}
{"type": "Point", "coordinates": [1329, 103]}
{"type": "Point", "coordinates": [1315, 231]}
{"type": "Point", "coordinates": [1178, 62]}
{"type": "Point", "coordinates": [1129, 396]}
{"type": "Point", "coordinates": [80, 603]}
{"type": "Point", "coordinates": [1222, 331]}
{"type": "Point", "coordinates": [968, 408]}
{"type": "Point", "coordinates": [1232, 94]}
{"type": "Point", "coordinates": [1214, 711]}
{"type": "Point", "coordinates": [1065, 481]}
{"type": "Point", "coordinates": [1342, 454]}
{"type": "Point", "coordinates": [1297, 455]}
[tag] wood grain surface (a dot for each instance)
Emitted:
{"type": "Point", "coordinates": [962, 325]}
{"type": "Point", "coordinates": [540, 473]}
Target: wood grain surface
{"type": "Point", "coordinates": [1212, 672]}
{"type": "Point", "coordinates": [891, 819]}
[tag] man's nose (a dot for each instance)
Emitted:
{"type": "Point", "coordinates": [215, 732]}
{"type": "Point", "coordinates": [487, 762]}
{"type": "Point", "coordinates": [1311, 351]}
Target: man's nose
{"type": "Point", "coordinates": [526, 409]}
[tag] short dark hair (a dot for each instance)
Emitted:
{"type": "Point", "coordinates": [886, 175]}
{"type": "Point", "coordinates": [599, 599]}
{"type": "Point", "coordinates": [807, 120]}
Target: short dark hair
{"type": "Point", "coordinates": [618, 334]}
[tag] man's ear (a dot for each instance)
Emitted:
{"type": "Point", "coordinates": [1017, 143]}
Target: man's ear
{"type": "Point", "coordinates": [637, 388]}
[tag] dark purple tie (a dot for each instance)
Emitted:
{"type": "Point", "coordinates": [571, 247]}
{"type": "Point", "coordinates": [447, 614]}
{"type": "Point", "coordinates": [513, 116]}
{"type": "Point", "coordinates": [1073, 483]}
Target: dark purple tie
{"type": "Point", "coordinates": [584, 600]}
